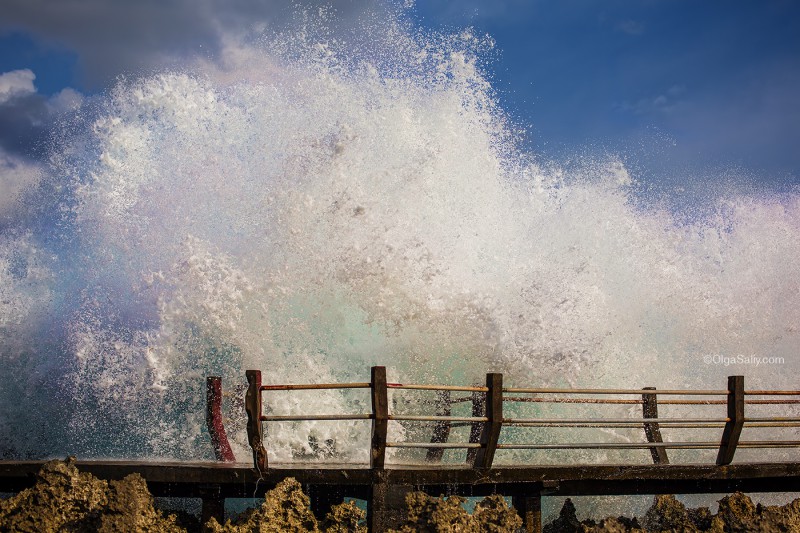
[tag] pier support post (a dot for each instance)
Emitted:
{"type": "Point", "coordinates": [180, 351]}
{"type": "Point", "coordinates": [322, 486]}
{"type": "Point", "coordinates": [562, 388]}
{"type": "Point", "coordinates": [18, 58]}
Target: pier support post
{"type": "Point", "coordinates": [387, 504]}
{"type": "Point", "coordinates": [651, 429]}
{"type": "Point", "coordinates": [213, 505]}
{"type": "Point", "coordinates": [529, 508]}
{"type": "Point", "coordinates": [733, 428]}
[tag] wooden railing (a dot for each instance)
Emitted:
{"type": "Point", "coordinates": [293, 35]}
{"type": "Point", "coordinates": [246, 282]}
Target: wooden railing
{"type": "Point", "coordinates": [488, 420]}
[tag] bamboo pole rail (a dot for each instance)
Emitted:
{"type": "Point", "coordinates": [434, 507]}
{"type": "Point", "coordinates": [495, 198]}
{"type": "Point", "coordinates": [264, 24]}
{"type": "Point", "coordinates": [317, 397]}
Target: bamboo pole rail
{"type": "Point", "coordinates": [487, 421]}
{"type": "Point", "coordinates": [616, 391]}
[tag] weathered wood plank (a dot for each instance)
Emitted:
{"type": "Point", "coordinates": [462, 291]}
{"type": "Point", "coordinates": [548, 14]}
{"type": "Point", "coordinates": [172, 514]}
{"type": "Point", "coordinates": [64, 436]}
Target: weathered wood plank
{"type": "Point", "coordinates": [491, 430]}
{"type": "Point", "coordinates": [241, 480]}
{"type": "Point", "coordinates": [651, 429]}
{"type": "Point", "coordinates": [733, 428]}
{"type": "Point", "coordinates": [252, 405]}
{"type": "Point", "coordinates": [216, 429]}
{"type": "Point", "coordinates": [380, 412]}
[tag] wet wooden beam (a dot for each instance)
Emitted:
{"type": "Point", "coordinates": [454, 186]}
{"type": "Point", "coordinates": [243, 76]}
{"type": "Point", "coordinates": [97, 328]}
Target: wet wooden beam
{"type": "Point", "coordinates": [733, 428]}
{"type": "Point", "coordinates": [252, 405]}
{"type": "Point", "coordinates": [380, 412]}
{"type": "Point", "coordinates": [242, 481]}
{"type": "Point", "coordinates": [491, 430]}
{"type": "Point", "coordinates": [651, 429]}
{"type": "Point", "coordinates": [216, 428]}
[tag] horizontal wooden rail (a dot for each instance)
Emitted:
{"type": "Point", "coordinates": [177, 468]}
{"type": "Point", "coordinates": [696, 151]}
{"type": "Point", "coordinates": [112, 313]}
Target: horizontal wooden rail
{"type": "Point", "coordinates": [455, 445]}
{"type": "Point", "coordinates": [416, 418]}
{"type": "Point", "coordinates": [572, 400]}
{"type": "Point", "coordinates": [619, 426]}
{"type": "Point", "coordinates": [772, 393]}
{"type": "Point", "coordinates": [769, 444]}
{"type": "Point", "coordinates": [436, 387]}
{"type": "Point", "coordinates": [313, 386]}
{"type": "Point", "coordinates": [638, 445]}
{"type": "Point", "coordinates": [637, 392]}
{"type": "Point", "coordinates": [631, 421]}
{"type": "Point", "coordinates": [608, 445]}
{"type": "Point", "coordinates": [488, 422]}
{"type": "Point", "coordinates": [305, 418]}
{"type": "Point", "coordinates": [638, 402]}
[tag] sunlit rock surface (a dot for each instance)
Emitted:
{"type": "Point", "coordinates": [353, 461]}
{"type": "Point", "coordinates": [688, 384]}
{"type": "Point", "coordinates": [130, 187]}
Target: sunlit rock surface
{"type": "Point", "coordinates": [65, 499]}
{"type": "Point", "coordinates": [426, 513]}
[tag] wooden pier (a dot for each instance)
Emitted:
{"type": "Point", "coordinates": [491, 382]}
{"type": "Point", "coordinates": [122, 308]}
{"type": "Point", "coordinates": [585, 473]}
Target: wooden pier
{"type": "Point", "coordinates": [383, 484]}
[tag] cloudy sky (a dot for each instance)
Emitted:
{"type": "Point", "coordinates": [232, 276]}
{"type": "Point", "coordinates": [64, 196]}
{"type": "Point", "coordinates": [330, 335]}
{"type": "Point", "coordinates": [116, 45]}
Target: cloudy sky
{"type": "Point", "coordinates": [677, 83]}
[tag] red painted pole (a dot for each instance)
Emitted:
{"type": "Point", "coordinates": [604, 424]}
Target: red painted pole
{"type": "Point", "coordinates": [219, 439]}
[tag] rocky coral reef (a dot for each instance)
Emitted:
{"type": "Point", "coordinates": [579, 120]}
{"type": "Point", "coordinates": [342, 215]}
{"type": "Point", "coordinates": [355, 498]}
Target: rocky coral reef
{"type": "Point", "coordinates": [65, 499]}
{"type": "Point", "coordinates": [737, 514]}
{"type": "Point", "coordinates": [287, 508]}
{"type": "Point", "coordinates": [447, 515]}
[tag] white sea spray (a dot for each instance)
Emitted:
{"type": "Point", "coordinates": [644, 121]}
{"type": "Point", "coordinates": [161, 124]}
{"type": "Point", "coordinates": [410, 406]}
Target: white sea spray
{"type": "Point", "coordinates": [313, 207]}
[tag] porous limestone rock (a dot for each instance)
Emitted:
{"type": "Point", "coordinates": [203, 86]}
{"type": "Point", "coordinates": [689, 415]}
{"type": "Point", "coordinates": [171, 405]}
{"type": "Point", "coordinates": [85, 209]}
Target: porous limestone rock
{"type": "Point", "coordinates": [345, 518]}
{"type": "Point", "coordinates": [447, 515]}
{"type": "Point", "coordinates": [493, 514]}
{"type": "Point", "coordinates": [65, 499]}
{"type": "Point", "coordinates": [285, 508]}
{"type": "Point", "coordinates": [668, 514]}
{"type": "Point", "coordinates": [737, 514]}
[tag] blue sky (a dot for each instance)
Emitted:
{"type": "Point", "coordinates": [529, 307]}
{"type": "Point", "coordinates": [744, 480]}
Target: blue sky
{"type": "Point", "coordinates": [675, 84]}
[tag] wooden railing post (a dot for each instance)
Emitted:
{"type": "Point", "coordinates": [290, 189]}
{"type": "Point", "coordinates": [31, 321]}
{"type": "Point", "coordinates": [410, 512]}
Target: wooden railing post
{"type": "Point", "coordinates": [252, 404]}
{"type": "Point", "coordinates": [380, 421]}
{"type": "Point", "coordinates": [476, 428]}
{"type": "Point", "coordinates": [494, 413]}
{"type": "Point", "coordinates": [216, 428]}
{"type": "Point", "coordinates": [733, 428]}
{"type": "Point", "coordinates": [651, 429]}
{"type": "Point", "coordinates": [441, 430]}
{"type": "Point", "coordinates": [213, 504]}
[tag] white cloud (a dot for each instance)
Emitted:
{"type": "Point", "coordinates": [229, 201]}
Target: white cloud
{"type": "Point", "coordinates": [25, 114]}
{"type": "Point", "coordinates": [111, 37]}
{"type": "Point", "coordinates": [16, 176]}
{"type": "Point", "coordinates": [16, 83]}
{"type": "Point", "coordinates": [65, 101]}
